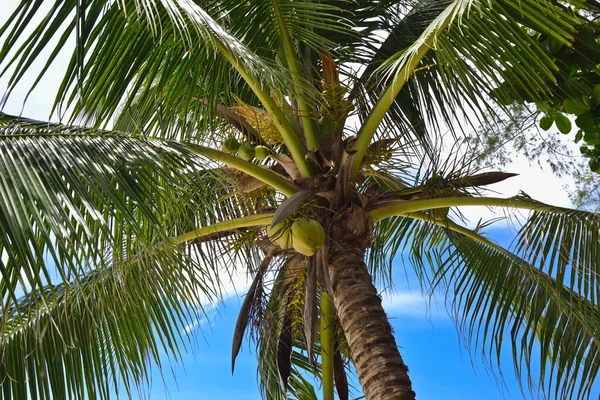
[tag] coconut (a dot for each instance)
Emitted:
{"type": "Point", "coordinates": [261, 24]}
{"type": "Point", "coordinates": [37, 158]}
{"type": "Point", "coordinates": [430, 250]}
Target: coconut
{"type": "Point", "coordinates": [281, 235]}
{"type": "Point", "coordinates": [261, 152]}
{"type": "Point", "coordinates": [246, 152]}
{"type": "Point", "coordinates": [307, 236]}
{"type": "Point", "coordinates": [230, 145]}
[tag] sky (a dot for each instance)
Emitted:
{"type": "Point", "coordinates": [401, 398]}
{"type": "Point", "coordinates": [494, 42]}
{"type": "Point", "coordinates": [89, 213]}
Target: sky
{"type": "Point", "coordinates": [440, 366]}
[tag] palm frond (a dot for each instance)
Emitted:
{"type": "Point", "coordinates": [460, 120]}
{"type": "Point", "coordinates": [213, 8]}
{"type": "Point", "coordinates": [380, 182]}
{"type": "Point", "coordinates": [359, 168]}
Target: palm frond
{"type": "Point", "coordinates": [74, 199]}
{"type": "Point", "coordinates": [542, 295]}
{"type": "Point", "coordinates": [496, 294]}
{"type": "Point", "coordinates": [566, 243]}
{"type": "Point", "coordinates": [102, 331]}
{"type": "Point", "coordinates": [88, 218]}
{"type": "Point", "coordinates": [310, 22]}
{"type": "Point", "coordinates": [396, 235]}
{"type": "Point", "coordinates": [277, 319]}
{"type": "Point", "coordinates": [485, 45]}
{"type": "Point", "coordinates": [132, 46]}
{"type": "Point", "coordinates": [155, 59]}
{"type": "Point", "coordinates": [413, 107]}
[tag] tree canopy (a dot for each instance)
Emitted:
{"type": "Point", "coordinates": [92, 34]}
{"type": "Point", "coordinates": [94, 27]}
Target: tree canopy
{"type": "Point", "coordinates": [298, 140]}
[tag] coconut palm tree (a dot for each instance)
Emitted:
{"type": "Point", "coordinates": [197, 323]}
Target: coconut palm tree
{"type": "Point", "coordinates": [298, 140]}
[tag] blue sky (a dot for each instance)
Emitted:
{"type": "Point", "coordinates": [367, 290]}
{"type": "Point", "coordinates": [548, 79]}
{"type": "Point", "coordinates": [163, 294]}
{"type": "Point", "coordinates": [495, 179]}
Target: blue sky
{"type": "Point", "coordinates": [439, 369]}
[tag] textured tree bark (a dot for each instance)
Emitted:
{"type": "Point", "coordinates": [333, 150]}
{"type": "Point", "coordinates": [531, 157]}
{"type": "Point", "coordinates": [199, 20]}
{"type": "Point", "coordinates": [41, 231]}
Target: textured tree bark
{"type": "Point", "coordinates": [381, 371]}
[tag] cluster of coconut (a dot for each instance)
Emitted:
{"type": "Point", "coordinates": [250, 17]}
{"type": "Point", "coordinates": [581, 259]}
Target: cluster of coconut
{"type": "Point", "coordinates": [304, 235]}
{"type": "Point", "coordinates": [245, 151]}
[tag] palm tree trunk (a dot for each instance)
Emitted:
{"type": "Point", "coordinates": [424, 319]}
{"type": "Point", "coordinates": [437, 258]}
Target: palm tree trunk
{"type": "Point", "coordinates": [381, 371]}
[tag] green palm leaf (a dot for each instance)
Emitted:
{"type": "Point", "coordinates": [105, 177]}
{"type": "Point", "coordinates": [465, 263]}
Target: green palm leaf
{"type": "Point", "coordinates": [485, 44]}
{"type": "Point", "coordinates": [86, 338]}
{"type": "Point", "coordinates": [566, 243]}
{"type": "Point", "coordinates": [164, 55]}
{"type": "Point", "coordinates": [73, 197]}
{"type": "Point", "coordinates": [122, 56]}
{"type": "Point", "coordinates": [497, 294]}
{"type": "Point", "coordinates": [535, 296]}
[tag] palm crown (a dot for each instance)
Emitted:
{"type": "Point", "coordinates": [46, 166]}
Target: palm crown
{"type": "Point", "coordinates": [213, 134]}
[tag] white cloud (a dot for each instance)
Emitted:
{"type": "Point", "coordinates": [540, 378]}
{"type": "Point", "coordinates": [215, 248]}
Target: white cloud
{"type": "Point", "coordinates": [407, 303]}
{"type": "Point", "coordinates": [536, 182]}
{"type": "Point", "coordinates": [234, 282]}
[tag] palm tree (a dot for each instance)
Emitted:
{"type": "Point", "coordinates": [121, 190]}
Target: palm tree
{"type": "Point", "coordinates": [113, 227]}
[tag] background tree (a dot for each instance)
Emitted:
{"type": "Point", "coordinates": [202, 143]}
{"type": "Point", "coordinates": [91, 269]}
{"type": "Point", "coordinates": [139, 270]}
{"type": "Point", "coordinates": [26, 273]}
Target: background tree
{"type": "Point", "coordinates": [109, 237]}
{"type": "Point", "coordinates": [507, 137]}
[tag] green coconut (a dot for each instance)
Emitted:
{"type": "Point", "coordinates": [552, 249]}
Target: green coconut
{"type": "Point", "coordinates": [231, 145]}
{"type": "Point", "coordinates": [261, 152]}
{"type": "Point", "coordinates": [307, 236]}
{"type": "Point", "coordinates": [246, 152]}
{"type": "Point", "coordinates": [281, 235]}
